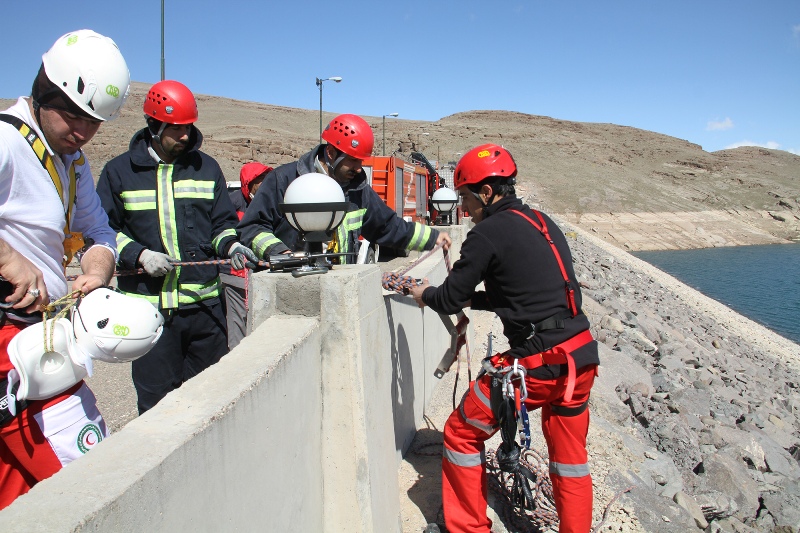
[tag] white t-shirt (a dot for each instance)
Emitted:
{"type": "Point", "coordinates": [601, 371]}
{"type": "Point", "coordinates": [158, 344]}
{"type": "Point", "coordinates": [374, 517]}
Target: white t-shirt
{"type": "Point", "coordinates": [32, 215]}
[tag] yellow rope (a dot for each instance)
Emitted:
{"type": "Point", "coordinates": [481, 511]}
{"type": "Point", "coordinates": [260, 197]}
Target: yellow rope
{"type": "Point", "coordinates": [51, 310]}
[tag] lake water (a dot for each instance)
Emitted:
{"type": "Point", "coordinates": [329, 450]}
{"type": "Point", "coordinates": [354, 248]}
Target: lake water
{"type": "Point", "coordinates": [759, 282]}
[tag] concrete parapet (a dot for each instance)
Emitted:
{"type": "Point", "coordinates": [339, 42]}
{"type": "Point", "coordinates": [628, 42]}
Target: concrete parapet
{"type": "Point", "coordinates": [224, 452]}
{"type": "Point", "coordinates": [300, 428]}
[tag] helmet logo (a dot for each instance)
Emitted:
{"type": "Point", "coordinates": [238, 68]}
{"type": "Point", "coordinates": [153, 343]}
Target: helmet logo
{"type": "Point", "coordinates": [88, 437]}
{"type": "Point", "coordinates": [72, 39]}
{"type": "Point", "coordinates": [484, 153]}
{"type": "Point", "coordinates": [169, 109]}
{"type": "Point", "coordinates": [112, 91]}
{"type": "Point", "coordinates": [354, 143]}
{"type": "Point", "coordinates": [121, 331]}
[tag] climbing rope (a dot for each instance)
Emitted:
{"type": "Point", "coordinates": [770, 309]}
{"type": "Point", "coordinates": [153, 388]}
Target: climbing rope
{"type": "Point", "coordinates": [543, 513]}
{"type": "Point", "coordinates": [177, 263]}
{"type": "Point", "coordinates": [400, 283]}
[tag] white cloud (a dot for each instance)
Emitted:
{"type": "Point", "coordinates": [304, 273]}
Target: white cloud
{"type": "Point", "coordinates": [772, 145]}
{"type": "Point", "coordinates": [796, 31]}
{"type": "Point", "coordinates": [719, 125]}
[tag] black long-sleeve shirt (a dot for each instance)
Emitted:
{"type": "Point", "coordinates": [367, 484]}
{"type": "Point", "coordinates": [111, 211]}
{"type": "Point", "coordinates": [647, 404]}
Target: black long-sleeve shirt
{"type": "Point", "coordinates": [523, 281]}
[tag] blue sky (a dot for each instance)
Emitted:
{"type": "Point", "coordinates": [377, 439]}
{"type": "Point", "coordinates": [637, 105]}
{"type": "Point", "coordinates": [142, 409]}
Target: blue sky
{"type": "Point", "coordinates": [719, 73]}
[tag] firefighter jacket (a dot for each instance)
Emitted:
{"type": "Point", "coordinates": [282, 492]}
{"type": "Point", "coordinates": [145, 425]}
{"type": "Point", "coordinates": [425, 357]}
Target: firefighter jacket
{"type": "Point", "coordinates": [523, 282]}
{"type": "Point", "coordinates": [267, 232]}
{"type": "Point", "coordinates": [181, 209]}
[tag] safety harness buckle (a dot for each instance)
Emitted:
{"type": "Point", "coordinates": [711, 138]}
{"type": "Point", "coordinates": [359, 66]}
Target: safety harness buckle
{"type": "Point", "coordinates": [10, 407]}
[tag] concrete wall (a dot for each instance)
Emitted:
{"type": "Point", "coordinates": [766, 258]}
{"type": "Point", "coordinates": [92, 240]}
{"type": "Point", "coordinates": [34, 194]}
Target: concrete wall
{"type": "Point", "coordinates": [300, 428]}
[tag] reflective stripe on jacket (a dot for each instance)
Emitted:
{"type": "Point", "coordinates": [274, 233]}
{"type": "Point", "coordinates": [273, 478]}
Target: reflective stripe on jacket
{"type": "Point", "coordinates": [266, 230]}
{"type": "Point", "coordinates": [181, 209]}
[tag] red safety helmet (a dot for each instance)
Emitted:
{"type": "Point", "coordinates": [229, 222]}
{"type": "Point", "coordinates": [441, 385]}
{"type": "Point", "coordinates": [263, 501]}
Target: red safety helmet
{"type": "Point", "coordinates": [351, 134]}
{"type": "Point", "coordinates": [484, 161]}
{"type": "Point", "coordinates": [248, 173]}
{"type": "Point", "coordinates": [171, 102]}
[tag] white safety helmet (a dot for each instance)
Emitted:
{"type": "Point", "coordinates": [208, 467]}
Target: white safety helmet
{"type": "Point", "coordinates": [43, 373]}
{"type": "Point", "coordinates": [90, 70]}
{"type": "Point", "coordinates": [115, 328]}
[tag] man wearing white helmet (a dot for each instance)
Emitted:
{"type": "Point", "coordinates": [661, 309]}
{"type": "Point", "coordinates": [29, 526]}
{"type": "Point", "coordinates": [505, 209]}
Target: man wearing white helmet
{"type": "Point", "coordinates": [48, 211]}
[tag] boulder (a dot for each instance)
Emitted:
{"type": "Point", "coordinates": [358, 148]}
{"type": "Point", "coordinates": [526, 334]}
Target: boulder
{"type": "Point", "coordinates": [728, 474]}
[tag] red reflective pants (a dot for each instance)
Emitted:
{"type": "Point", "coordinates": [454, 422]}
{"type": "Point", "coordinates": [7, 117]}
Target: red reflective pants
{"type": "Point", "coordinates": [46, 435]}
{"type": "Point", "coordinates": [464, 485]}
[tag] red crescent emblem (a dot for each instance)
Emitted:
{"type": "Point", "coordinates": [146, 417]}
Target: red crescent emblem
{"type": "Point", "coordinates": [90, 441]}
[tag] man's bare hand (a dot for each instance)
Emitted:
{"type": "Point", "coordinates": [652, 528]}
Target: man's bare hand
{"type": "Point", "coordinates": [417, 290]}
{"type": "Point", "coordinates": [444, 240]}
{"type": "Point", "coordinates": [28, 281]}
{"type": "Point", "coordinates": [86, 283]}
{"type": "Point", "coordinates": [98, 268]}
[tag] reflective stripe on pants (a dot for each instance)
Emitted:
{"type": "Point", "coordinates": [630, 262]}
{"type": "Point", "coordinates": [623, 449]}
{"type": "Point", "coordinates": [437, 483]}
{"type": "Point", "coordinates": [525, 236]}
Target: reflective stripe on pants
{"type": "Point", "coordinates": [464, 484]}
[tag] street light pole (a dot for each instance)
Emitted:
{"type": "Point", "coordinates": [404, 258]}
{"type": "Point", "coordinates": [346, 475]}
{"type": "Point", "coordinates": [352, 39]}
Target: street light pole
{"type": "Point", "coordinates": [384, 129]}
{"type": "Point", "coordinates": [162, 40]}
{"type": "Point", "coordinates": [418, 139]}
{"type": "Point", "coordinates": [337, 79]}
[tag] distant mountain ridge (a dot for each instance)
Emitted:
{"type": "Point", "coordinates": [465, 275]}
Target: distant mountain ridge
{"type": "Point", "coordinates": [634, 188]}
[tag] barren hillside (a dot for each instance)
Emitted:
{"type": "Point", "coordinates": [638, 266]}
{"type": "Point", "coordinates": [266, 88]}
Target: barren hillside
{"type": "Point", "coordinates": [635, 188]}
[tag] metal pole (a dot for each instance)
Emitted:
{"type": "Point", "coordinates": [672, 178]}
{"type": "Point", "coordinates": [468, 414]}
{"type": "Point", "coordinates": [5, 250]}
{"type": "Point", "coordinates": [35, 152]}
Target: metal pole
{"type": "Point", "coordinates": [162, 40]}
{"type": "Point", "coordinates": [384, 135]}
{"type": "Point", "coordinates": [319, 82]}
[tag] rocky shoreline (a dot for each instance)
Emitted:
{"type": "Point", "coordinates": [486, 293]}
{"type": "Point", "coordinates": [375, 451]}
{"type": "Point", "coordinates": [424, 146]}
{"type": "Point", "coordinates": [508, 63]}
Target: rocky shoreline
{"type": "Point", "coordinates": [695, 412]}
{"type": "Point", "coordinates": [645, 231]}
{"type": "Point", "coordinates": [696, 408]}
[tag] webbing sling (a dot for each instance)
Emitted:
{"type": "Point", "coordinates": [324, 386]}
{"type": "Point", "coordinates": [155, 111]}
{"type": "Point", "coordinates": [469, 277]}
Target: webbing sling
{"type": "Point", "coordinates": [72, 241]}
{"type": "Point", "coordinates": [570, 292]}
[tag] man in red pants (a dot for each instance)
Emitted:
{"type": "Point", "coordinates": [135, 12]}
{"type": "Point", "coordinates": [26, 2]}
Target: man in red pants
{"type": "Point", "coordinates": [524, 261]}
{"type": "Point", "coordinates": [48, 203]}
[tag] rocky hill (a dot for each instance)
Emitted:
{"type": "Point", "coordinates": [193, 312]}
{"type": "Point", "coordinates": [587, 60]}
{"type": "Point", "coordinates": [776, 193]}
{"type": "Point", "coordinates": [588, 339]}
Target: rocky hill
{"type": "Point", "coordinates": [634, 188]}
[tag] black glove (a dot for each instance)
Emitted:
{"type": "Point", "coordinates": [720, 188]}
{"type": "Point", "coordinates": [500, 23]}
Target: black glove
{"type": "Point", "coordinates": [240, 255]}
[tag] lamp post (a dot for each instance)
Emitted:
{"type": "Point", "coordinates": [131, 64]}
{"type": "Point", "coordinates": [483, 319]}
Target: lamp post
{"type": "Point", "coordinates": [162, 40]}
{"type": "Point", "coordinates": [337, 79]}
{"type": "Point", "coordinates": [414, 147]}
{"type": "Point", "coordinates": [384, 129]}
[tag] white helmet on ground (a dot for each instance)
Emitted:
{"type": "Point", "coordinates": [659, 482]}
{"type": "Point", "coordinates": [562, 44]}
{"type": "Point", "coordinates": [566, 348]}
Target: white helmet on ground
{"type": "Point", "coordinates": [90, 70]}
{"type": "Point", "coordinates": [42, 373]}
{"type": "Point", "coordinates": [116, 328]}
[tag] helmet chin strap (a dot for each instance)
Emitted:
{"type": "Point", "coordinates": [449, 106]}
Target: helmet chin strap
{"type": "Point", "coordinates": [157, 136]}
{"type": "Point", "coordinates": [332, 165]}
{"type": "Point", "coordinates": [484, 205]}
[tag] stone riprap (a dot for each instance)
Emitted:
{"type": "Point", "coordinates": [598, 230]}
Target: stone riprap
{"type": "Point", "coordinates": [696, 408]}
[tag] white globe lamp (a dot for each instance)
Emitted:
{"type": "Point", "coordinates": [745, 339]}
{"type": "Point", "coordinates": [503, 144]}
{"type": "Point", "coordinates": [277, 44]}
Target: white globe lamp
{"type": "Point", "coordinates": [314, 203]}
{"type": "Point", "coordinates": [444, 200]}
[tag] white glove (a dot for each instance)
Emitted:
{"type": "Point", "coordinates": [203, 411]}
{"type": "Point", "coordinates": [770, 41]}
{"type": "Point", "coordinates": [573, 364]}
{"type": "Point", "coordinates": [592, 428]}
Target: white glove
{"type": "Point", "coordinates": [155, 263]}
{"type": "Point", "coordinates": [240, 255]}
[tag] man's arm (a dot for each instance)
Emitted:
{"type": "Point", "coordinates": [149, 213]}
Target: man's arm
{"type": "Point", "coordinates": [262, 218]}
{"type": "Point", "coordinates": [458, 289]}
{"type": "Point", "coordinates": [98, 265]}
{"type": "Point", "coordinates": [223, 215]}
{"type": "Point", "coordinates": [382, 226]}
{"type": "Point", "coordinates": [89, 217]}
{"type": "Point", "coordinates": [25, 278]}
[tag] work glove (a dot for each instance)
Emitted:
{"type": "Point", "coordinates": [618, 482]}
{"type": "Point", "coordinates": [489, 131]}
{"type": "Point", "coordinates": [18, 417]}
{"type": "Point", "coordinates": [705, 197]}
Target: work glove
{"type": "Point", "coordinates": [156, 264]}
{"type": "Point", "coordinates": [240, 255]}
